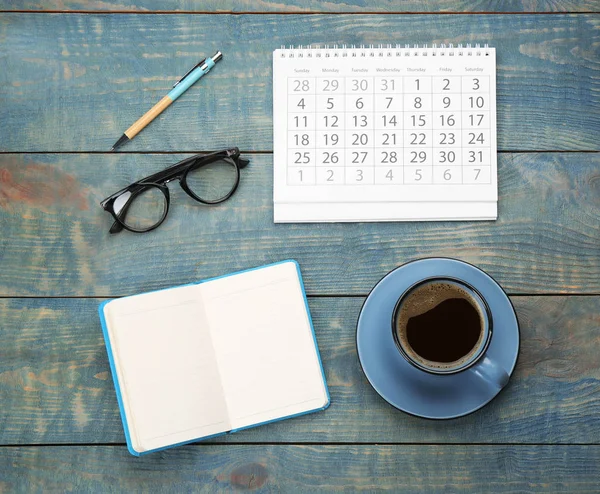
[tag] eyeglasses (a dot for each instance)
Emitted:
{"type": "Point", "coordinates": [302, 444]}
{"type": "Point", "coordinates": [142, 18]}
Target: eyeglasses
{"type": "Point", "coordinates": [209, 179]}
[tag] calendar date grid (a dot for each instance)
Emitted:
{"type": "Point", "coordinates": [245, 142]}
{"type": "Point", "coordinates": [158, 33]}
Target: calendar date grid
{"type": "Point", "coordinates": [412, 130]}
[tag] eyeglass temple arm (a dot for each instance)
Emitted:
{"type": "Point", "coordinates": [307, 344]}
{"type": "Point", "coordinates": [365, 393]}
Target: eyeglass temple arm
{"type": "Point", "coordinates": [116, 227]}
{"type": "Point", "coordinates": [173, 170]}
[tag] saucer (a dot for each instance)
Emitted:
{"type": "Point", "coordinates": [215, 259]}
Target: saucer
{"type": "Point", "coordinates": [412, 390]}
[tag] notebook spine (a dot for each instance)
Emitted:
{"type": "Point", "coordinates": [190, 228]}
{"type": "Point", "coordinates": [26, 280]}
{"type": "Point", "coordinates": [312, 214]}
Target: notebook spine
{"type": "Point", "coordinates": [343, 51]}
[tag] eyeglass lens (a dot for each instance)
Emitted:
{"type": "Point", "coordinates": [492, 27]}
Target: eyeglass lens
{"type": "Point", "coordinates": [213, 181]}
{"type": "Point", "coordinates": [145, 209]}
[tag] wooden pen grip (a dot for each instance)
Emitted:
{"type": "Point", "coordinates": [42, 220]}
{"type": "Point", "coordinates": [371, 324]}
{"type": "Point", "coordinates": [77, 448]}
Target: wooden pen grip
{"type": "Point", "coordinates": [150, 115]}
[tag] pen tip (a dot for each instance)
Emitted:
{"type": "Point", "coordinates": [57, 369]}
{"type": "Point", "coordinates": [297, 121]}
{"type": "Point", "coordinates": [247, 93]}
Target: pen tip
{"type": "Point", "coordinates": [122, 140]}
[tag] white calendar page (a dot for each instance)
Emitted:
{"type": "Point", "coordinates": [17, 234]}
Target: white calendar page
{"type": "Point", "coordinates": [384, 134]}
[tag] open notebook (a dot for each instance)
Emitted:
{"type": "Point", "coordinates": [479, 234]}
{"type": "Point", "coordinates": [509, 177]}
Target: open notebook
{"type": "Point", "coordinates": [218, 356]}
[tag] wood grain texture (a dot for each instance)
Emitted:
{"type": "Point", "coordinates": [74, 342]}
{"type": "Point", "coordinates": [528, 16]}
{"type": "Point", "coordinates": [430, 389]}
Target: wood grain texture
{"type": "Point", "coordinates": [298, 6]}
{"type": "Point", "coordinates": [56, 387]}
{"type": "Point", "coordinates": [82, 79]}
{"type": "Point", "coordinates": [55, 239]}
{"type": "Point", "coordinates": [279, 468]}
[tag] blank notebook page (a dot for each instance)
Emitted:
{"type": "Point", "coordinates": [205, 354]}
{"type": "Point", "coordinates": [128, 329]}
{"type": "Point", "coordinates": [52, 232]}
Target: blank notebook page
{"type": "Point", "coordinates": [264, 344]}
{"type": "Point", "coordinates": [166, 368]}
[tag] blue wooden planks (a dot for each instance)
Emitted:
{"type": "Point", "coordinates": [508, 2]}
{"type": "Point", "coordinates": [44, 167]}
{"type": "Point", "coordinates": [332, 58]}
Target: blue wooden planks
{"type": "Point", "coordinates": [55, 238]}
{"type": "Point", "coordinates": [298, 6]}
{"type": "Point", "coordinates": [83, 79]}
{"type": "Point", "coordinates": [56, 386]}
{"type": "Point", "coordinates": [294, 468]}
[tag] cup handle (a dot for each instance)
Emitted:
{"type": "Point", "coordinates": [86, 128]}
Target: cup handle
{"type": "Point", "coordinates": [491, 372]}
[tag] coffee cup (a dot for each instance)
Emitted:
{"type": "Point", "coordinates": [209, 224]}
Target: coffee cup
{"type": "Point", "coordinates": [444, 326]}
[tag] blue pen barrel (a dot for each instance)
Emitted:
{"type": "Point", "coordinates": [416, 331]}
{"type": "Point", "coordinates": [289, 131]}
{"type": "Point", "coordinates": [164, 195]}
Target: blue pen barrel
{"type": "Point", "coordinates": [190, 79]}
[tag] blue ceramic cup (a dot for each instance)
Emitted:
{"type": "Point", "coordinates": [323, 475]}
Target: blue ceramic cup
{"type": "Point", "coordinates": [428, 389]}
{"type": "Point", "coordinates": [428, 295]}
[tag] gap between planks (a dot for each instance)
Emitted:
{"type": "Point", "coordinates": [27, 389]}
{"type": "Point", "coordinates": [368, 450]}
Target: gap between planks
{"type": "Point", "coordinates": [193, 12]}
{"type": "Point", "coordinates": [205, 444]}
{"type": "Point", "coordinates": [313, 295]}
{"type": "Point", "coordinates": [504, 151]}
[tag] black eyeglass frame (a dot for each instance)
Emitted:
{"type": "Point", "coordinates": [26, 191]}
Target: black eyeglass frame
{"type": "Point", "coordinates": [178, 171]}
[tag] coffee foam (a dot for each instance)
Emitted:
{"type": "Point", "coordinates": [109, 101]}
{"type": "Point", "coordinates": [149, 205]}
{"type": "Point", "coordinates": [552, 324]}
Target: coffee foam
{"type": "Point", "coordinates": [424, 298]}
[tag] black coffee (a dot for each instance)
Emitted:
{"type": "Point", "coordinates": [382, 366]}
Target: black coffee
{"type": "Point", "coordinates": [440, 323]}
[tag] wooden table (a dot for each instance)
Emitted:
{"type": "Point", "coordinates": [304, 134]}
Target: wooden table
{"type": "Point", "coordinates": [74, 74]}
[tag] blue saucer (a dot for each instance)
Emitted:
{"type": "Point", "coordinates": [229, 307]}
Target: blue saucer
{"type": "Point", "coordinates": [412, 390]}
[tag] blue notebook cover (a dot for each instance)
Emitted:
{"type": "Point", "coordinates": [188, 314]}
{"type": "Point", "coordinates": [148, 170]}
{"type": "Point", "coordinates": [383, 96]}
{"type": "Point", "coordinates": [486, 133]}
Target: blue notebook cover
{"type": "Point", "coordinates": [118, 387]}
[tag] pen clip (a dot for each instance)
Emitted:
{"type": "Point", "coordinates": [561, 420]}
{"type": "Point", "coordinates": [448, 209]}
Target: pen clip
{"type": "Point", "coordinates": [190, 71]}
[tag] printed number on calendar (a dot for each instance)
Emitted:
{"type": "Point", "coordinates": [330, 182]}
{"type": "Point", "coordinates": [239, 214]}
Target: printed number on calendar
{"type": "Point", "coordinates": [302, 85]}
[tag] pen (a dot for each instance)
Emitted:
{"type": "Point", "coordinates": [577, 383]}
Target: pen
{"type": "Point", "coordinates": [180, 87]}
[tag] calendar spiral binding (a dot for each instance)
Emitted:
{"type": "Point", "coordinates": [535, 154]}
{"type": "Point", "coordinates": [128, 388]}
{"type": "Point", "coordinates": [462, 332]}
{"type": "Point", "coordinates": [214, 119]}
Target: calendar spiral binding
{"type": "Point", "coordinates": [352, 51]}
